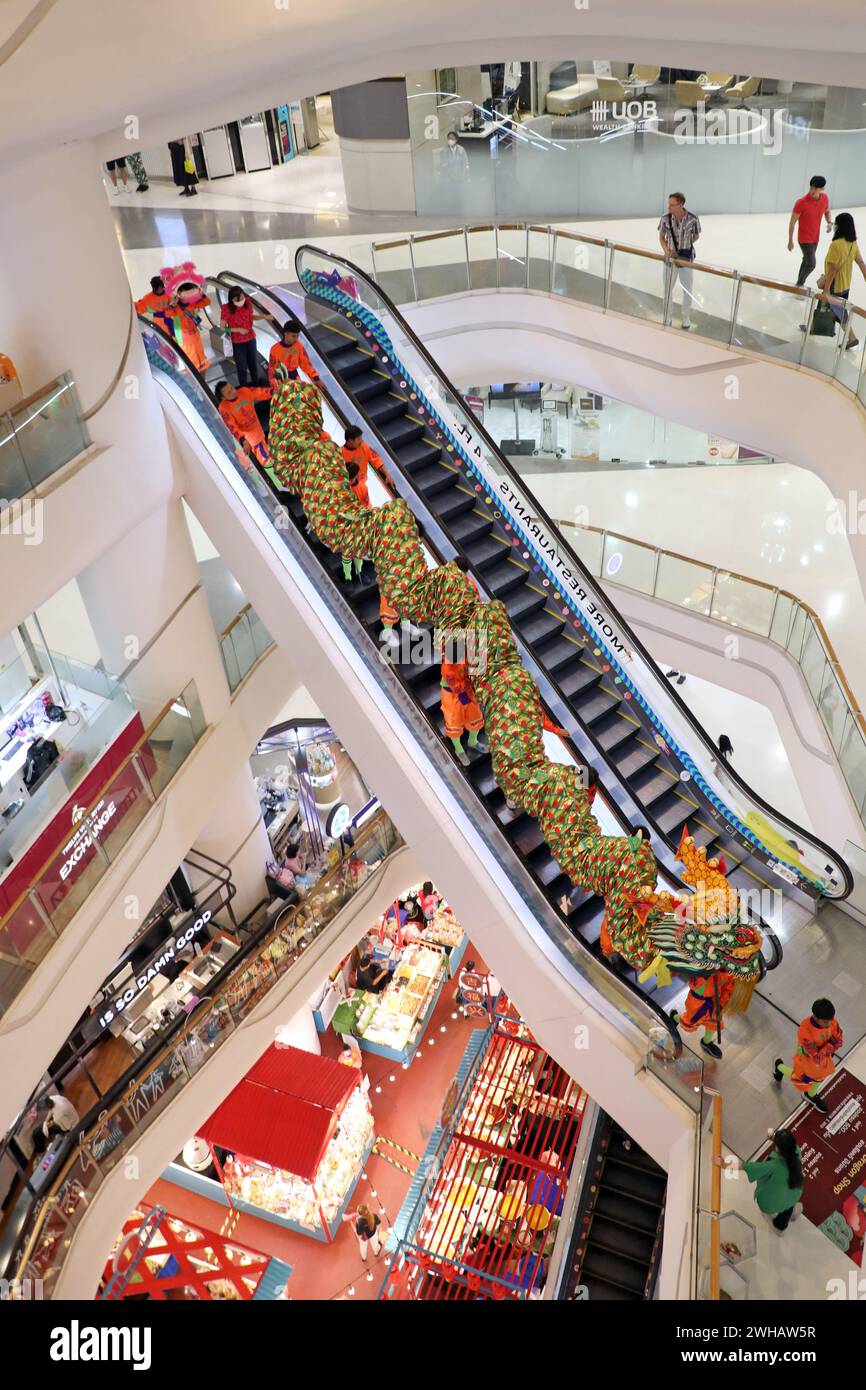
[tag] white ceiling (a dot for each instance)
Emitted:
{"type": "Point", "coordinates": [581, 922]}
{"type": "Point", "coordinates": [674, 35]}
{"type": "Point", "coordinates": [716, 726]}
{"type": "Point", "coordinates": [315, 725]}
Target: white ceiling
{"type": "Point", "coordinates": [179, 65]}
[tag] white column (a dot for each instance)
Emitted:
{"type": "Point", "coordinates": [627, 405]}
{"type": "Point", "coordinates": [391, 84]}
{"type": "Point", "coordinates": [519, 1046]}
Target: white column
{"type": "Point", "coordinates": [236, 836]}
{"type": "Point", "coordinates": [151, 618]}
{"type": "Point", "coordinates": [64, 294]}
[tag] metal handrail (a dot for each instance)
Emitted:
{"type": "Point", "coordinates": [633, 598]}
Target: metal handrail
{"type": "Point", "coordinates": [717, 570]}
{"type": "Point", "coordinates": [236, 619]}
{"type": "Point", "coordinates": [85, 1132]}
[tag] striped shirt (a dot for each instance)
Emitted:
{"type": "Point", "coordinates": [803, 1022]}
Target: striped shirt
{"type": "Point", "coordinates": [680, 236]}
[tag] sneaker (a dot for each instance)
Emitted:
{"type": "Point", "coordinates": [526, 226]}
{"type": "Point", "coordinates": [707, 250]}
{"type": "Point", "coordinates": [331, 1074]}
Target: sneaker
{"type": "Point", "coordinates": [778, 1076]}
{"type": "Point", "coordinates": [479, 747]}
{"type": "Point", "coordinates": [852, 343]}
{"type": "Point", "coordinates": [463, 758]}
{"type": "Point", "coordinates": [143, 188]}
{"type": "Point", "coordinates": [389, 635]}
{"type": "Point", "coordinates": [713, 1049]}
{"type": "Point", "coordinates": [512, 805]}
{"type": "Point", "coordinates": [685, 326]}
{"type": "Point", "coordinates": [681, 680]}
{"type": "Point", "coordinates": [820, 1105]}
{"type": "Point", "coordinates": [412, 629]}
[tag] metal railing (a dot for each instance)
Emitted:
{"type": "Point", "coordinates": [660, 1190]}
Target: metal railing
{"type": "Point", "coordinates": [44, 909]}
{"type": "Point", "coordinates": [39, 435]}
{"type": "Point", "coordinates": [98, 1144]}
{"type": "Point", "coordinates": [746, 312]}
{"type": "Point", "coordinates": [242, 642]}
{"type": "Point", "coordinates": [748, 605]}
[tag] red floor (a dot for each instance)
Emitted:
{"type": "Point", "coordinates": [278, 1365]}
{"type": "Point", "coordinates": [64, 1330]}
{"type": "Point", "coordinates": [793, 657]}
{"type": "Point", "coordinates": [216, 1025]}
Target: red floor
{"type": "Point", "coordinates": [406, 1110]}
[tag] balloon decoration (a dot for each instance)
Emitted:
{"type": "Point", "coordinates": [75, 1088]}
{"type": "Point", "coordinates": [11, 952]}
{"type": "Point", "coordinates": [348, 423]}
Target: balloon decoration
{"type": "Point", "coordinates": [655, 932]}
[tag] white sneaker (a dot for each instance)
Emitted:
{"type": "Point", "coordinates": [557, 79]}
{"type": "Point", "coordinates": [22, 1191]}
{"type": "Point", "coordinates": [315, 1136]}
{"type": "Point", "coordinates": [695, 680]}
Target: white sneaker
{"type": "Point", "coordinates": [389, 635]}
{"type": "Point", "coordinates": [686, 326]}
{"type": "Point", "coordinates": [411, 628]}
{"type": "Point", "coordinates": [463, 758]}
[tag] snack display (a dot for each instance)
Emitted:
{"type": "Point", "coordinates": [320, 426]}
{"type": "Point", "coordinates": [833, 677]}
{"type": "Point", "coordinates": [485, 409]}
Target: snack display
{"type": "Point", "coordinates": [444, 930]}
{"type": "Point", "coordinates": [391, 1019]}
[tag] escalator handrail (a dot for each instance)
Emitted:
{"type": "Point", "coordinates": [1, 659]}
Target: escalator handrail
{"type": "Point", "coordinates": [647, 1005]}
{"type": "Point", "coordinates": [224, 280]}
{"type": "Point", "coordinates": [514, 477]}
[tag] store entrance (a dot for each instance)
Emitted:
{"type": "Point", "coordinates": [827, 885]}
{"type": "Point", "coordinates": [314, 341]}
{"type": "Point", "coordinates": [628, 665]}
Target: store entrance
{"type": "Point", "coordinates": [404, 1137]}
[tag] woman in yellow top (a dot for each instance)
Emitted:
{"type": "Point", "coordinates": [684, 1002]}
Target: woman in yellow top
{"type": "Point", "coordinates": [842, 255]}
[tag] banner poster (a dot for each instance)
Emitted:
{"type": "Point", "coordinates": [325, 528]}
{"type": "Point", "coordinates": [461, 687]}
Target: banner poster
{"type": "Point", "coordinates": [834, 1164]}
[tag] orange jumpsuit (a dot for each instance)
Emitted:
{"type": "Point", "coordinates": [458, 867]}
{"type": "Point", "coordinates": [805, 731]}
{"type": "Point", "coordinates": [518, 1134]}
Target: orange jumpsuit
{"type": "Point", "coordinates": [813, 1060]}
{"type": "Point", "coordinates": [387, 612]}
{"type": "Point", "coordinates": [364, 457]}
{"type": "Point", "coordinates": [190, 338]}
{"type": "Point", "coordinates": [241, 418]}
{"type": "Point", "coordinates": [459, 705]}
{"type": "Point", "coordinates": [7, 368]}
{"type": "Point", "coordinates": [160, 308]}
{"type": "Point", "coordinates": [700, 1010]}
{"type": "Point", "coordinates": [292, 359]}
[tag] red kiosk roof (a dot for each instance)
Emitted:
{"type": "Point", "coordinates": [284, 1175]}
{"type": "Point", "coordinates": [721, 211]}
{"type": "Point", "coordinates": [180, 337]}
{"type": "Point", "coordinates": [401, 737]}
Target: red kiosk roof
{"type": "Point", "coordinates": [285, 1110]}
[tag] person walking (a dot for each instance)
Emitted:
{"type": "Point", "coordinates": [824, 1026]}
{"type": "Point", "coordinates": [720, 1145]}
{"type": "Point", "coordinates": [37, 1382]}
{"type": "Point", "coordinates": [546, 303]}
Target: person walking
{"type": "Point", "coordinates": [818, 1037]}
{"type": "Point", "coordinates": [112, 165]}
{"type": "Point", "coordinates": [778, 1179]}
{"type": "Point", "coordinates": [679, 229]}
{"type": "Point", "coordinates": [136, 164]}
{"type": "Point", "coordinates": [806, 216]}
{"type": "Point", "coordinates": [183, 167]}
{"type": "Point", "coordinates": [237, 316]}
{"type": "Point", "coordinates": [366, 1228]}
{"type": "Point", "coordinates": [843, 254]}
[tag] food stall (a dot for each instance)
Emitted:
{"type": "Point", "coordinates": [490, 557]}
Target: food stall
{"type": "Point", "coordinates": [298, 1129]}
{"type": "Point", "coordinates": [392, 1023]}
{"type": "Point", "coordinates": [487, 1218]}
{"type": "Point", "coordinates": [162, 1257]}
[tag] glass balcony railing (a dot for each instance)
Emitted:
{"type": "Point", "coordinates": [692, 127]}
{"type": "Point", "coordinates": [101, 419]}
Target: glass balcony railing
{"type": "Point", "coordinates": [101, 831]}
{"type": "Point", "coordinates": [746, 312]}
{"type": "Point", "coordinates": [94, 1149]}
{"type": "Point", "coordinates": [751, 606]}
{"type": "Point", "coordinates": [242, 643]}
{"type": "Point", "coordinates": [40, 435]}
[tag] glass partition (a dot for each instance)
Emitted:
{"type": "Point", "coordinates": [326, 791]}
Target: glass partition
{"type": "Point", "coordinates": [103, 829]}
{"type": "Point", "coordinates": [579, 269]}
{"type": "Point", "coordinates": [39, 436]}
{"type": "Point", "coordinates": [242, 643]}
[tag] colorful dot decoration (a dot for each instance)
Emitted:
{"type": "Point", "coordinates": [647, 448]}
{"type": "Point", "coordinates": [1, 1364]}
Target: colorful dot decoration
{"type": "Point", "coordinates": [324, 289]}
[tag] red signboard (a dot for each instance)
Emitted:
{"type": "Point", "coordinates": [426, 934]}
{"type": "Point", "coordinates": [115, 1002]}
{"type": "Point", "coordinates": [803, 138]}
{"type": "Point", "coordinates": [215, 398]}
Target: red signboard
{"type": "Point", "coordinates": [834, 1163]}
{"type": "Point", "coordinates": [74, 834]}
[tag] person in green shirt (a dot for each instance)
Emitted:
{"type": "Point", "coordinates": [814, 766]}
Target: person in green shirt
{"type": "Point", "coordinates": [778, 1179]}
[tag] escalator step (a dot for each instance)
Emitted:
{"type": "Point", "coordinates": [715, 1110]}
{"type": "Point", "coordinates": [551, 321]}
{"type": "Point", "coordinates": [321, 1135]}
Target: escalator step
{"type": "Point", "coordinates": [596, 702]}
{"type": "Point", "coordinates": [540, 625]}
{"type": "Point", "coordinates": [651, 782]}
{"type": "Point", "coordinates": [350, 362]}
{"type": "Point", "coordinates": [473, 524]}
{"type": "Point", "coordinates": [420, 452]}
{"type": "Point", "coordinates": [365, 388]}
{"type": "Point", "coordinates": [485, 551]}
{"type": "Point", "coordinates": [383, 408]}
{"type": "Point", "coordinates": [434, 478]}
{"type": "Point", "coordinates": [504, 576]}
{"type": "Point", "coordinates": [635, 1157]}
{"type": "Point", "coordinates": [554, 650]}
{"type": "Point", "coordinates": [622, 1274]}
{"type": "Point", "coordinates": [451, 506]}
{"type": "Point", "coordinates": [645, 1187]}
{"type": "Point", "coordinates": [329, 340]}
{"type": "Point", "coordinates": [635, 1247]}
{"type": "Point", "coordinates": [520, 603]}
{"type": "Point", "coordinates": [525, 833]}
{"type": "Point", "coordinates": [401, 431]}
{"type": "Point", "coordinates": [576, 680]}
{"type": "Point", "coordinates": [600, 1291]}
{"type": "Point", "coordinates": [637, 1216]}
{"type": "Point", "coordinates": [634, 759]}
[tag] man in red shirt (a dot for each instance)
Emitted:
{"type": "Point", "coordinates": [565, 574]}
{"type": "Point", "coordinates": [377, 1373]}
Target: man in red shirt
{"type": "Point", "coordinates": [806, 216]}
{"type": "Point", "coordinates": [237, 408]}
{"type": "Point", "coordinates": [288, 358]}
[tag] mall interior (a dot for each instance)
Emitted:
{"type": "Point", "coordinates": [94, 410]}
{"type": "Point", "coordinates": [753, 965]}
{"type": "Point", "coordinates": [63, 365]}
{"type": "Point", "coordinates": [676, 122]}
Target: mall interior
{"type": "Point", "coordinates": [433, 849]}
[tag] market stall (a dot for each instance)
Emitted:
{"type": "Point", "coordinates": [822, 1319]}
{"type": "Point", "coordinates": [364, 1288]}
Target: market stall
{"type": "Point", "coordinates": [392, 1023]}
{"type": "Point", "coordinates": [298, 1130]}
{"type": "Point", "coordinates": [485, 1220]}
{"type": "Point", "coordinates": [162, 1257]}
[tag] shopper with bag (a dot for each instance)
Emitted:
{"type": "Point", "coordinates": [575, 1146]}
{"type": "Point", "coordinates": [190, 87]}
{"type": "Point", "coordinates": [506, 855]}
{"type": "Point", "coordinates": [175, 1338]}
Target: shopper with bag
{"type": "Point", "coordinates": [843, 254]}
{"type": "Point", "coordinates": [237, 318]}
{"type": "Point", "coordinates": [183, 167]}
{"type": "Point", "coordinates": [366, 1227]}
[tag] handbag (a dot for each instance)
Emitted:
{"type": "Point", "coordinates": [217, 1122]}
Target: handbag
{"type": "Point", "coordinates": [823, 321]}
{"type": "Point", "coordinates": [189, 166]}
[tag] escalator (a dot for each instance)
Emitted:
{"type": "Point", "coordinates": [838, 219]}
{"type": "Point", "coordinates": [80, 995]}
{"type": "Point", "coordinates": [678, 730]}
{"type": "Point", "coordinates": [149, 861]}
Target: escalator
{"type": "Point", "coordinates": [617, 1236]}
{"type": "Point", "coordinates": [656, 761]}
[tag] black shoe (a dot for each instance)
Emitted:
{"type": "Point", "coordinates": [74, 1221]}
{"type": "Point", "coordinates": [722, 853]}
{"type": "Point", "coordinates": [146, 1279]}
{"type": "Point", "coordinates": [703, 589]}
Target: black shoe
{"type": "Point", "coordinates": [681, 680]}
{"type": "Point", "coordinates": [143, 188]}
{"type": "Point", "coordinates": [713, 1049]}
{"type": "Point", "coordinates": [852, 342]}
{"type": "Point", "coordinates": [820, 1105]}
{"type": "Point", "coordinates": [778, 1076]}
{"type": "Point", "coordinates": [193, 192]}
{"type": "Point", "coordinates": [669, 674]}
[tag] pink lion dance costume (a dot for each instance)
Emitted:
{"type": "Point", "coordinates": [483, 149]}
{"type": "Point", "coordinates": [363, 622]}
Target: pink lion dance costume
{"type": "Point", "coordinates": [186, 286]}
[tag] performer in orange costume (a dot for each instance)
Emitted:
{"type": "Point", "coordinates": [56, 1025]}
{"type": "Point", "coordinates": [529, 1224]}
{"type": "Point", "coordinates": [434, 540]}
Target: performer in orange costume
{"type": "Point", "coordinates": [706, 1001]}
{"type": "Point", "coordinates": [289, 357]}
{"type": "Point", "coordinates": [158, 304]}
{"type": "Point", "coordinates": [186, 288]}
{"type": "Point", "coordinates": [237, 408]}
{"type": "Point", "coordinates": [460, 708]}
{"type": "Point", "coordinates": [818, 1037]}
{"type": "Point", "coordinates": [387, 612]}
{"type": "Point", "coordinates": [356, 450]}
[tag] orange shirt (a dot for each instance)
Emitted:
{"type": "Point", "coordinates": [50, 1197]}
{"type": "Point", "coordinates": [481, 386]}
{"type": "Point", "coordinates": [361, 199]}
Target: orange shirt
{"type": "Point", "coordinates": [7, 368]}
{"type": "Point", "coordinates": [153, 303]}
{"type": "Point", "coordinates": [293, 359]}
{"type": "Point", "coordinates": [455, 676]}
{"type": "Point", "coordinates": [240, 414]}
{"type": "Point", "coordinates": [365, 458]}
